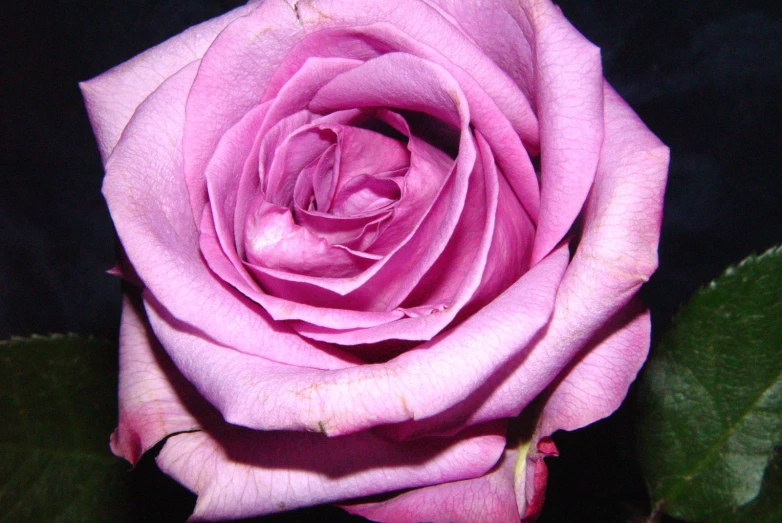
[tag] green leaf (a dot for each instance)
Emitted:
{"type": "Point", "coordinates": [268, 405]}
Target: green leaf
{"type": "Point", "coordinates": [711, 396]}
{"type": "Point", "coordinates": [58, 407]}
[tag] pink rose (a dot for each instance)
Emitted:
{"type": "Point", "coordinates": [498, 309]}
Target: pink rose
{"type": "Point", "coordinates": [369, 234]}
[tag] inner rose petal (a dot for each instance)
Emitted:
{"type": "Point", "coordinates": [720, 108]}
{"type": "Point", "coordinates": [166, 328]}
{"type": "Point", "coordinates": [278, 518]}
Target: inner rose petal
{"type": "Point", "coordinates": [275, 242]}
{"type": "Point", "coordinates": [354, 153]}
{"type": "Point", "coordinates": [367, 194]}
{"type": "Point", "coordinates": [315, 185]}
{"type": "Point", "coordinates": [355, 233]}
{"type": "Point", "coordinates": [364, 44]}
{"type": "Point", "coordinates": [477, 254]}
{"type": "Point", "coordinates": [432, 198]}
{"type": "Point", "coordinates": [339, 201]}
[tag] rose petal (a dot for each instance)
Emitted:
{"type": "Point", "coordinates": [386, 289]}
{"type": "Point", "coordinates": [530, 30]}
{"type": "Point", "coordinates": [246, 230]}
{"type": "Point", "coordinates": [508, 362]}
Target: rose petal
{"type": "Point", "coordinates": [147, 197]}
{"type": "Point", "coordinates": [356, 233]}
{"type": "Point", "coordinates": [486, 498]}
{"type": "Point", "coordinates": [595, 384]}
{"type": "Point", "coordinates": [239, 473]}
{"type": "Point", "coordinates": [454, 278]}
{"type": "Point", "coordinates": [335, 182]}
{"type": "Point", "coordinates": [616, 254]}
{"type": "Point", "coordinates": [430, 29]}
{"type": "Point", "coordinates": [363, 154]}
{"type": "Point", "coordinates": [426, 88]}
{"type": "Point", "coordinates": [591, 388]}
{"type": "Point", "coordinates": [156, 402]}
{"type": "Point", "coordinates": [255, 176]}
{"type": "Point", "coordinates": [298, 152]}
{"type": "Point", "coordinates": [492, 29]}
{"type": "Point", "coordinates": [112, 97]}
{"type": "Point", "coordinates": [275, 244]}
{"type": "Point", "coordinates": [282, 309]}
{"type": "Point", "coordinates": [258, 393]}
{"type": "Point", "coordinates": [569, 101]}
{"type": "Point", "coordinates": [301, 86]}
{"type": "Point", "coordinates": [235, 154]}
{"type": "Point", "coordinates": [232, 77]}
{"type": "Point", "coordinates": [149, 389]}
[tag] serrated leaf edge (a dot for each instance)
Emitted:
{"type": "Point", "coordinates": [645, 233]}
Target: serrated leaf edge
{"type": "Point", "coordinates": [731, 270]}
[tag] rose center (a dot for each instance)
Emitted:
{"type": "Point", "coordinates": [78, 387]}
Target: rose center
{"type": "Point", "coordinates": [358, 173]}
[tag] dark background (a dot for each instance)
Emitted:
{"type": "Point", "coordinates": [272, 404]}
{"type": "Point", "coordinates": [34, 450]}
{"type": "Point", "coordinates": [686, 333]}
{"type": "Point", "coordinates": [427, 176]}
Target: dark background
{"type": "Point", "coordinates": [706, 77]}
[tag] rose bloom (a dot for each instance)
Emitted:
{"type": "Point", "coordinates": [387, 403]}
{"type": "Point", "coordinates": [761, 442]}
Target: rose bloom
{"type": "Point", "coordinates": [361, 237]}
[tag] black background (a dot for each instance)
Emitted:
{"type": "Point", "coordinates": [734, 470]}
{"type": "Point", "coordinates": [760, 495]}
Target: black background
{"type": "Point", "coordinates": [706, 77]}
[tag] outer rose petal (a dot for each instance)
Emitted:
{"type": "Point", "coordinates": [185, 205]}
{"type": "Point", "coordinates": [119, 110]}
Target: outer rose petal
{"type": "Point", "coordinates": [557, 68]}
{"type": "Point", "coordinates": [569, 101]}
{"type": "Point", "coordinates": [239, 473]}
{"type": "Point", "coordinates": [597, 382]}
{"type": "Point", "coordinates": [616, 254]}
{"type": "Point", "coordinates": [149, 404]}
{"type": "Point", "coordinates": [113, 96]}
{"type": "Point", "coordinates": [255, 392]}
{"type": "Point", "coordinates": [488, 498]}
{"type": "Point", "coordinates": [591, 388]}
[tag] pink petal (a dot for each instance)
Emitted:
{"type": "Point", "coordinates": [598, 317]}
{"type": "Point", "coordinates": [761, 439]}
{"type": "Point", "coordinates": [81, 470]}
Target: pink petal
{"type": "Point", "coordinates": [616, 254]}
{"type": "Point", "coordinates": [282, 309]}
{"type": "Point", "coordinates": [596, 383]}
{"type": "Point", "coordinates": [232, 77]}
{"type": "Point", "coordinates": [426, 88]}
{"type": "Point", "coordinates": [334, 182]}
{"type": "Point", "coordinates": [150, 407]}
{"type": "Point", "coordinates": [366, 194]}
{"type": "Point", "coordinates": [364, 153]}
{"type": "Point", "coordinates": [145, 190]}
{"type": "Point", "coordinates": [493, 29]}
{"type": "Point", "coordinates": [433, 37]}
{"type": "Point", "coordinates": [452, 281]}
{"type": "Point", "coordinates": [236, 153]}
{"type": "Point", "coordinates": [488, 498]}
{"type": "Point", "coordinates": [569, 100]}
{"type": "Point", "coordinates": [489, 115]}
{"type": "Point", "coordinates": [256, 392]}
{"type": "Point", "coordinates": [239, 473]}
{"type": "Point", "coordinates": [254, 177]}
{"type": "Point", "coordinates": [275, 244]}
{"type": "Point", "coordinates": [511, 247]}
{"type": "Point", "coordinates": [299, 87]}
{"type": "Point", "coordinates": [356, 233]}
{"type": "Point", "coordinates": [299, 152]}
{"type": "Point", "coordinates": [591, 388]}
{"type": "Point", "coordinates": [113, 96]}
